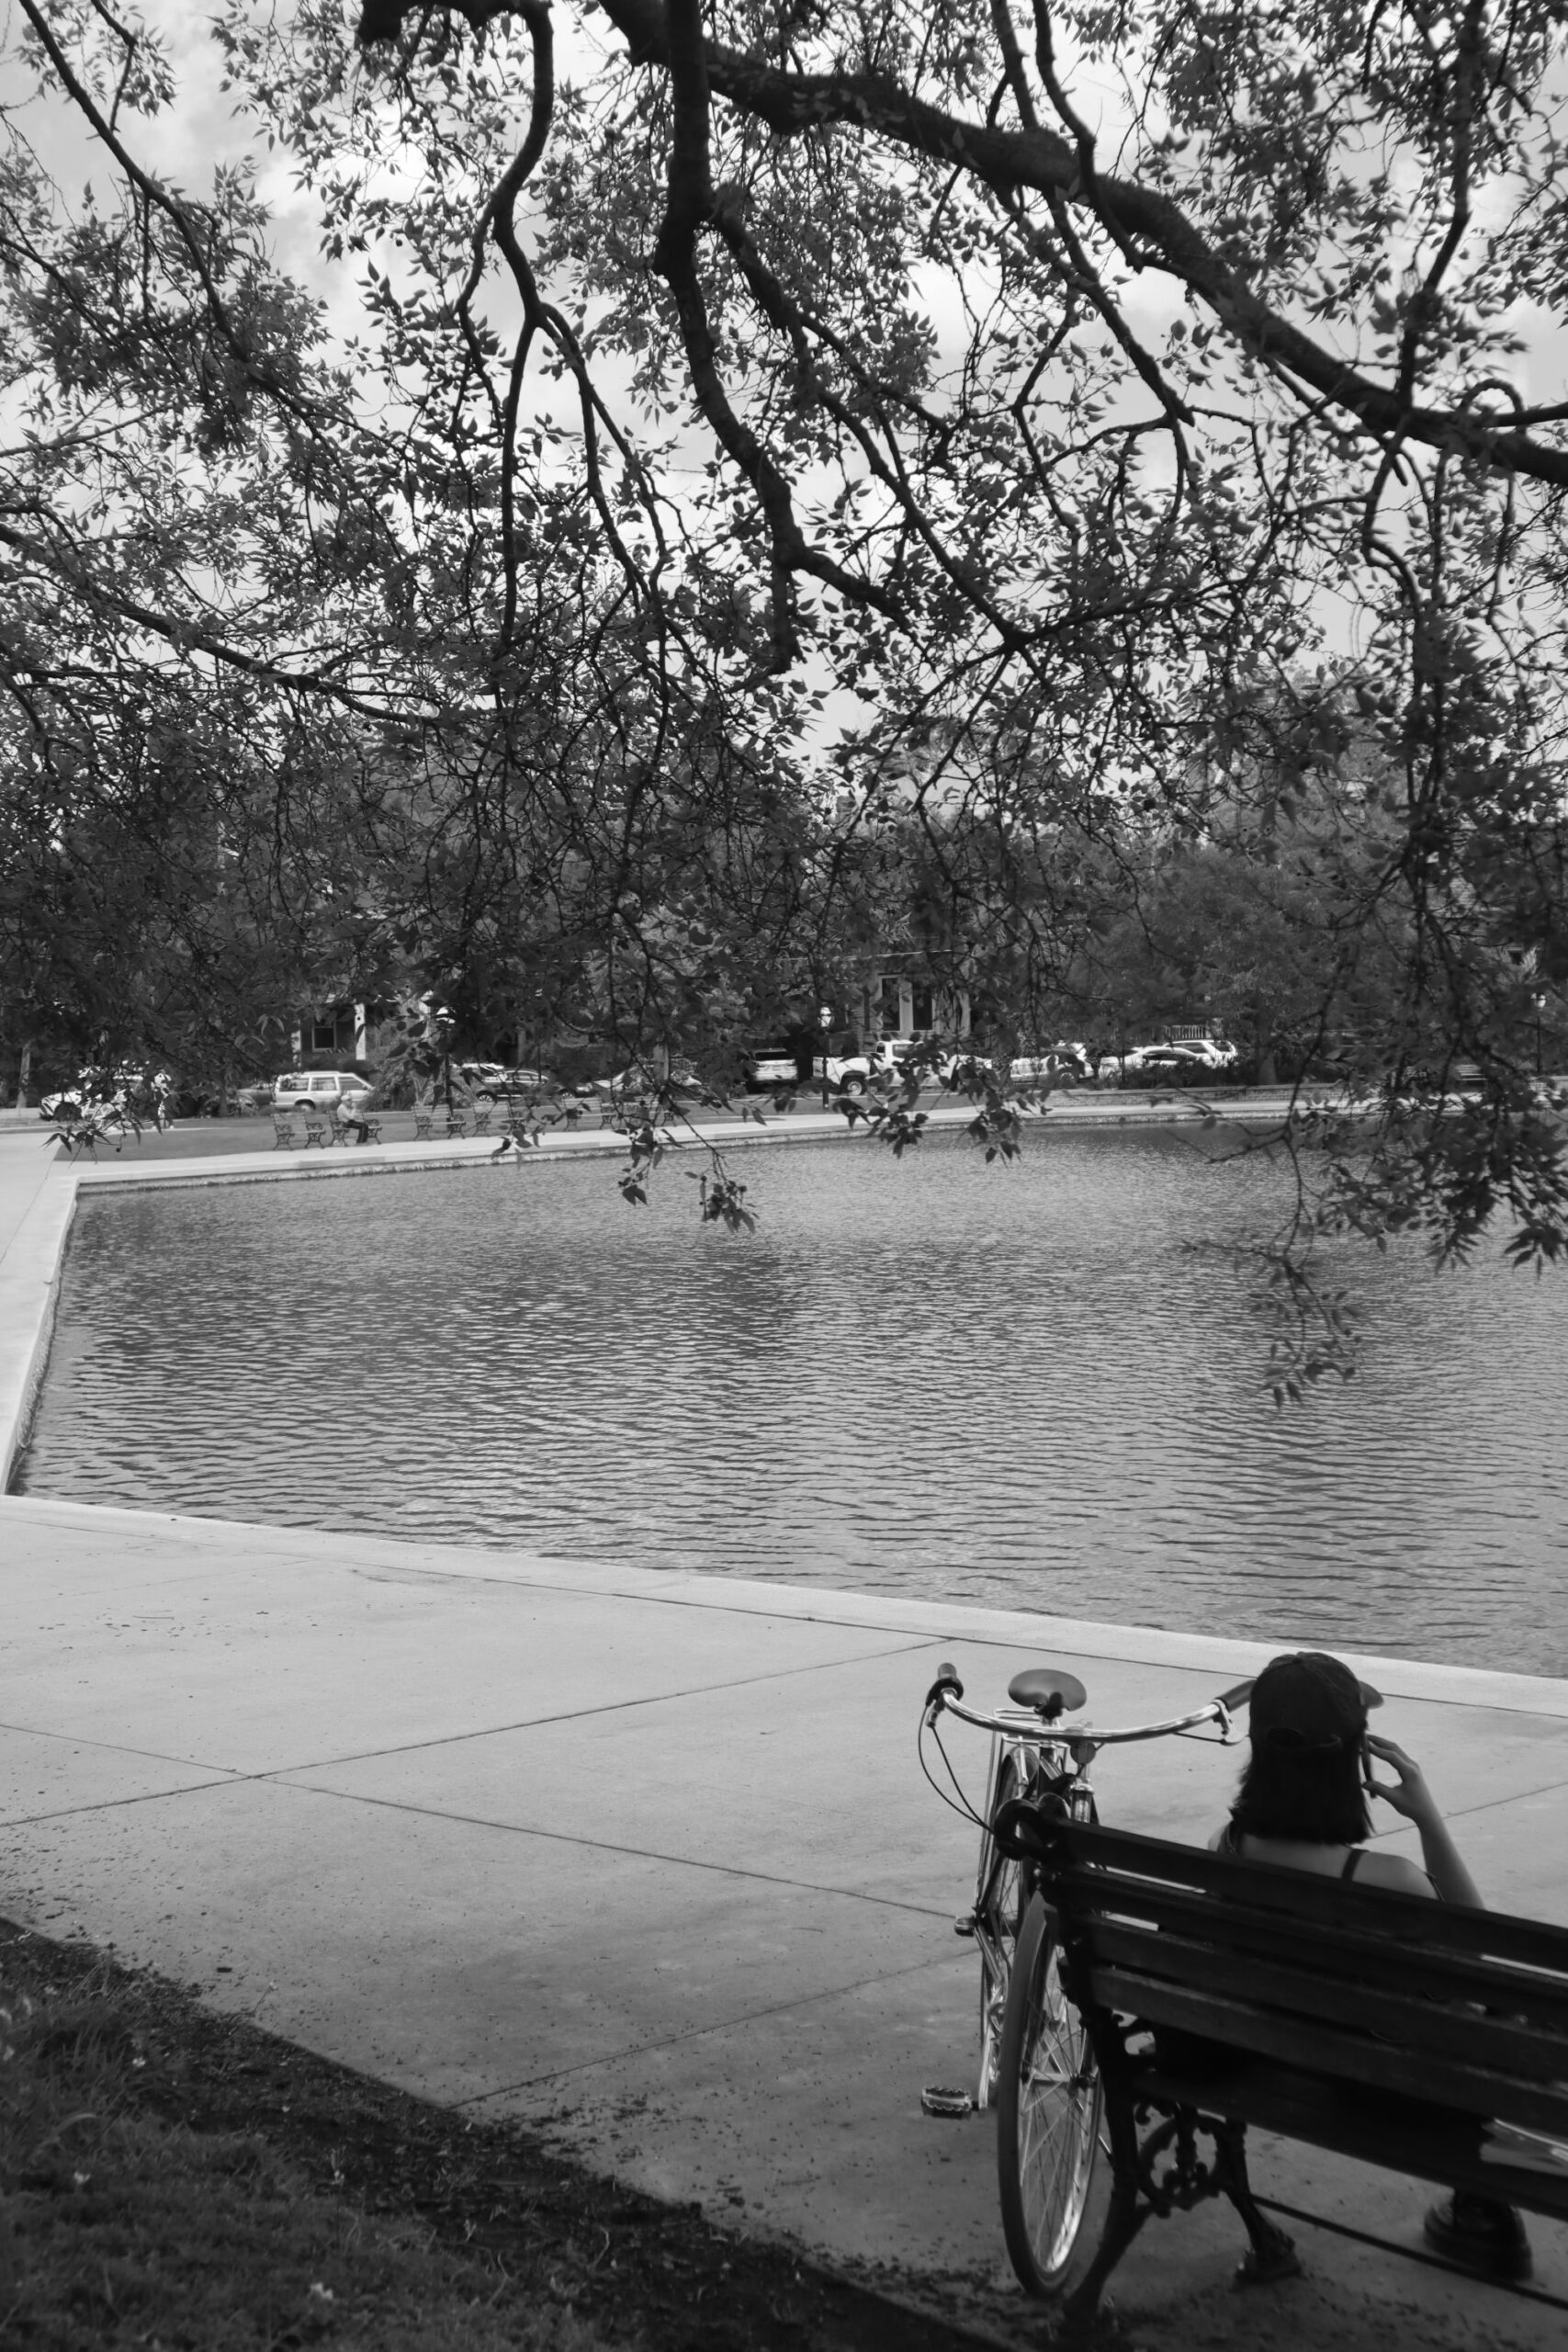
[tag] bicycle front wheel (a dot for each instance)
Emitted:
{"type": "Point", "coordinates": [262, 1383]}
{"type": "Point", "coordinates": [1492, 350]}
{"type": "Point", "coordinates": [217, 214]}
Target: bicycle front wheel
{"type": "Point", "coordinates": [1052, 2185]}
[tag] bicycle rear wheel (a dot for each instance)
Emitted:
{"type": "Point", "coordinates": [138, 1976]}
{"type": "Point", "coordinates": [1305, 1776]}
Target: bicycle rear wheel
{"type": "Point", "coordinates": [998, 1912]}
{"type": "Point", "coordinates": [1053, 2184]}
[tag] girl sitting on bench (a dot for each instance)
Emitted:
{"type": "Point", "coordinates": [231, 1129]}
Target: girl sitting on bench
{"type": "Point", "coordinates": [1303, 1805]}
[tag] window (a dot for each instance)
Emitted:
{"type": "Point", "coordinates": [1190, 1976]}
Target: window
{"type": "Point", "coordinates": [333, 1034]}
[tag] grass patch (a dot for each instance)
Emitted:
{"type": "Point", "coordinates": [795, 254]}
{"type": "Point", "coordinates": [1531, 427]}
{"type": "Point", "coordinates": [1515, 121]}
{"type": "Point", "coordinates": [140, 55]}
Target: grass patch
{"type": "Point", "coordinates": [122, 2225]}
{"type": "Point", "coordinates": [173, 2179]}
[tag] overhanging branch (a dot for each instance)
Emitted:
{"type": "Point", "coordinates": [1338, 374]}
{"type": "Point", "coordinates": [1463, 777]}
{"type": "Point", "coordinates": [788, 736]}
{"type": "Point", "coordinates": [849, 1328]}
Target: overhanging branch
{"type": "Point", "coordinates": [1037, 159]}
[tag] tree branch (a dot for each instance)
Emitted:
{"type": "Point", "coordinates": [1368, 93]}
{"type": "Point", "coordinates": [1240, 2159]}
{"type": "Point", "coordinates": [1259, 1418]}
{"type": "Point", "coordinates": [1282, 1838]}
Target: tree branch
{"type": "Point", "coordinates": [1009, 161]}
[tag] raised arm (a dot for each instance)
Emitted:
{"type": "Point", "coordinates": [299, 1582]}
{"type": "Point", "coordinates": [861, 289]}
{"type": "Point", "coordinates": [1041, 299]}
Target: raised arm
{"type": "Point", "coordinates": [1411, 1796]}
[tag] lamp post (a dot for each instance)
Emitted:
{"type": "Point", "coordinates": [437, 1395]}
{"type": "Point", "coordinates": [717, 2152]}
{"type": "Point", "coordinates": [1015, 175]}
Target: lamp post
{"type": "Point", "coordinates": [825, 1023]}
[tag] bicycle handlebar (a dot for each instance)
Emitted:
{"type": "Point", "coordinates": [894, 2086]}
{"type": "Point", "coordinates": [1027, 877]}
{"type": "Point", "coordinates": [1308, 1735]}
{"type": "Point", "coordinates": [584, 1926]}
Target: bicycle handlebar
{"type": "Point", "coordinates": [1022, 1723]}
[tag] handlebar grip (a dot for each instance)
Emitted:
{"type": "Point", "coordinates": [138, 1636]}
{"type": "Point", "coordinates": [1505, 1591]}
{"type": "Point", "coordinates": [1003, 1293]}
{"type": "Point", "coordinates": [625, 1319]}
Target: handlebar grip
{"type": "Point", "coordinates": [946, 1681]}
{"type": "Point", "coordinates": [1236, 1698]}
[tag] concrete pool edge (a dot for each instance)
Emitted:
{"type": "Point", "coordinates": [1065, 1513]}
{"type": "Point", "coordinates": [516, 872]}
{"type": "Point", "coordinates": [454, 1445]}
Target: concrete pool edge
{"type": "Point", "coordinates": [1076, 1640]}
{"type": "Point", "coordinates": [35, 1225]}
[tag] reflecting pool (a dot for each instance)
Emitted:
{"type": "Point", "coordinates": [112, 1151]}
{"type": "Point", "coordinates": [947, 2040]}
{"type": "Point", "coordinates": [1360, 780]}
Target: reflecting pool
{"type": "Point", "coordinates": [1021, 1385]}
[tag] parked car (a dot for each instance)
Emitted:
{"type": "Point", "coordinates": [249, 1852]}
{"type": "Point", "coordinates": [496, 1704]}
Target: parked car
{"type": "Point", "coordinates": [772, 1070]}
{"type": "Point", "coordinates": [1215, 1053]}
{"type": "Point", "coordinates": [496, 1082]}
{"type": "Point", "coordinates": [640, 1077]}
{"type": "Point", "coordinates": [1162, 1061]}
{"type": "Point", "coordinates": [891, 1058]}
{"type": "Point", "coordinates": [1063, 1060]}
{"type": "Point", "coordinates": [322, 1089]}
{"type": "Point", "coordinates": [850, 1072]}
{"type": "Point", "coordinates": [886, 1057]}
{"type": "Point", "coordinates": [1192, 1056]}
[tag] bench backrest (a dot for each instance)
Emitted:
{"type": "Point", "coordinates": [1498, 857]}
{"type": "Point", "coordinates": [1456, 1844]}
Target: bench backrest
{"type": "Point", "coordinates": [1464, 2008]}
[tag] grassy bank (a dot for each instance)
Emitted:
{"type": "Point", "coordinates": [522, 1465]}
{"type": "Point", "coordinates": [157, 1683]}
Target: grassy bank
{"type": "Point", "coordinates": [177, 2181]}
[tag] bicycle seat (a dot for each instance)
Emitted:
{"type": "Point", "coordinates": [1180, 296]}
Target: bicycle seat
{"type": "Point", "coordinates": [1048, 1691]}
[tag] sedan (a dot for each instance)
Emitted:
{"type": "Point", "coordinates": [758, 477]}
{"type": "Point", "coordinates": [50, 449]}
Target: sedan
{"type": "Point", "coordinates": [636, 1079]}
{"type": "Point", "coordinates": [495, 1082]}
{"type": "Point", "coordinates": [1062, 1061]}
{"type": "Point", "coordinates": [1184, 1063]}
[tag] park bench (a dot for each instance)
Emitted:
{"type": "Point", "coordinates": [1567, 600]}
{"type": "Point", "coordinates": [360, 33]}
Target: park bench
{"type": "Point", "coordinates": [455, 1119]}
{"type": "Point", "coordinates": [352, 1126]}
{"type": "Point", "coordinates": [323, 1127]}
{"type": "Point", "coordinates": [1418, 2036]}
{"type": "Point", "coordinates": [320, 1127]}
{"type": "Point", "coordinates": [315, 1127]}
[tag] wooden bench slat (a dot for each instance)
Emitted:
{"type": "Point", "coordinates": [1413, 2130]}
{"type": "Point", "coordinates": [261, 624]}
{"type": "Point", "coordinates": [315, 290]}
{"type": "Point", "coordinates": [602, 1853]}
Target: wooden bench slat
{"type": "Point", "coordinates": [1378, 1959]}
{"type": "Point", "coordinates": [1402, 2013]}
{"type": "Point", "coordinates": [1348, 2057]}
{"type": "Point", "coordinates": [1265, 1886]}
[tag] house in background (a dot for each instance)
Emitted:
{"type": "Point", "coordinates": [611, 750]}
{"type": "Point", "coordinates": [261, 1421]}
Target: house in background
{"type": "Point", "coordinates": [341, 1032]}
{"type": "Point", "coordinates": [891, 1003]}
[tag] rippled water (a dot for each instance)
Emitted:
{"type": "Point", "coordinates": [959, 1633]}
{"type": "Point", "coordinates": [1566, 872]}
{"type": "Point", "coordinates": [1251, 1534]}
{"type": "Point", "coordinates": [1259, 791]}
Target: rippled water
{"type": "Point", "coordinates": [1016, 1384]}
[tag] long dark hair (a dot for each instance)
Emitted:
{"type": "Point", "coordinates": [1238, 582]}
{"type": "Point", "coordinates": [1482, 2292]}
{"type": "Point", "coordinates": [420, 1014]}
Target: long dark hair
{"type": "Point", "coordinates": [1313, 1795]}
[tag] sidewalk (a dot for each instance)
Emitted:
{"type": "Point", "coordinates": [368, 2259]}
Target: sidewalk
{"type": "Point", "coordinates": [647, 1860]}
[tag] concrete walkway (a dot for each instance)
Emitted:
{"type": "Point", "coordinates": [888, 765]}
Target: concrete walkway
{"type": "Point", "coordinates": [647, 1860]}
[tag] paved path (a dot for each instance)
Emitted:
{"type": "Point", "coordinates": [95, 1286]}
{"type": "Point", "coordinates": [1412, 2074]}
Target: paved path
{"type": "Point", "coordinates": [646, 1859]}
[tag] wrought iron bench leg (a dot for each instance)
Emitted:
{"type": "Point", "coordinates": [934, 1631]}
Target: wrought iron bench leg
{"type": "Point", "coordinates": [1125, 2215]}
{"type": "Point", "coordinates": [1272, 2254]}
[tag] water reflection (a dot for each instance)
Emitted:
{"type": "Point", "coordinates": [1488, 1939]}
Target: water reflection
{"type": "Point", "coordinates": [1020, 1386]}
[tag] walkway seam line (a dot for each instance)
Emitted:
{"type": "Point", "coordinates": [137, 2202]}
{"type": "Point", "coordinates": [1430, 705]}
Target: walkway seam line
{"type": "Point", "coordinates": [591, 1714]}
{"type": "Point", "coordinates": [485, 1731]}
{"type": "Point", "coordinates": [112, 1804]}
{"type": "Point", "coordinates": [696, 2032]}
{"type": "Point", "coordinates": [607, 1846]}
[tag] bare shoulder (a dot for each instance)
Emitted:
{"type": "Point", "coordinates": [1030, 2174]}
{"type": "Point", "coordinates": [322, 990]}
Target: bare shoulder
{"type": "Point", "coordinates": [1393, 1872]}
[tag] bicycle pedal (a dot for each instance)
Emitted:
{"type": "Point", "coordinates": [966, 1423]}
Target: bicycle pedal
{"type": "Point", "coordinates": [936, 2100]}
{"type": "Point", "coordinates": [966, 1925]}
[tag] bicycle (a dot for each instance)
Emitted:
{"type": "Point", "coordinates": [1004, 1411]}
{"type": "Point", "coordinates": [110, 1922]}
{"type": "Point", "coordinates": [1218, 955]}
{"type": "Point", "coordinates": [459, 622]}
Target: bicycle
{"type": "Point", "coordinates": [1036, 2065]}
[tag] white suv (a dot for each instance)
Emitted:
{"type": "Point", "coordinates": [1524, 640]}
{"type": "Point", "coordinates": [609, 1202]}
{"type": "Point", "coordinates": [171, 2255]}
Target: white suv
{"type": "Point", "coordinates": [855, 1072]}
{"type": "Point", "coordinates": [320, 1090]}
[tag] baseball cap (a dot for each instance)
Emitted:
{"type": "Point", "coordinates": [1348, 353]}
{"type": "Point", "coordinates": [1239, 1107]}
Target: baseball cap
{"type": "Point", "coordinates": [1310, 1703]}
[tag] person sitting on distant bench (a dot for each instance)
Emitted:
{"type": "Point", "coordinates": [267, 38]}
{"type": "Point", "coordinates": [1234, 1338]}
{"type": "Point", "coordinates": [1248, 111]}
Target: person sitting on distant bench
{"type": "Point", "coordinates": [1303, 1805]}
